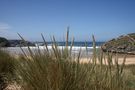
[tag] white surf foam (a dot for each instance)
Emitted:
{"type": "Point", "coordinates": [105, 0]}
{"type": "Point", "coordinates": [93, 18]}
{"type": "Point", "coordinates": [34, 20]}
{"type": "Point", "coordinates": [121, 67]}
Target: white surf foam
{"type": "Point", "coordinates": [75, 49]}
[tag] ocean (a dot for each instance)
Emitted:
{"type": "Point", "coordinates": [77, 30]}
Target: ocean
{"type": "Point", "coordinates": [77, 46]}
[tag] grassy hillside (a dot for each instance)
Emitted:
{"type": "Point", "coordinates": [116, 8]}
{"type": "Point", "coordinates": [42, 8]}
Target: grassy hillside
{"type": "Point", "coordinates": [122, 44]}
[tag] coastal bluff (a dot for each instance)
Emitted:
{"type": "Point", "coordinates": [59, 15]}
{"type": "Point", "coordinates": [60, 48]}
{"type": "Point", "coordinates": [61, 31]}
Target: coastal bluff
{"type": "Point", "coordinates": [14, 43]}
{"type": "Point", "coordinates": [4, 42]}
{"type": "Point", "coordinates": [124, 44]}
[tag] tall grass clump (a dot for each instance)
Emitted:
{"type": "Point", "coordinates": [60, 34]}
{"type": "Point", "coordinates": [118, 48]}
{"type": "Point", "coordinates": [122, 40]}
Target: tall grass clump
{"type": "Point", "coordinates": [7, 71]}
{"type": "Point", "coordinates": [58, 69]}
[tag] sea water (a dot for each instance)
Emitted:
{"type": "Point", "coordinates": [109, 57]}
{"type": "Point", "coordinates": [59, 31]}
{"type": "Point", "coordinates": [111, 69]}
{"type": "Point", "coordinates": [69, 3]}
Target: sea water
{"type": "Point", "coordinates": [86, 48]}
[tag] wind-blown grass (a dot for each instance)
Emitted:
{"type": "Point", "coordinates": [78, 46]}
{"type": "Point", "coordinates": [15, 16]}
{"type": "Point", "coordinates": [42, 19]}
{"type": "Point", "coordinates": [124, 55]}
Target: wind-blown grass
{"type": "Point", "coordinates": [58, 70]}
{"type": "Point", "coordinates": [6, 68]}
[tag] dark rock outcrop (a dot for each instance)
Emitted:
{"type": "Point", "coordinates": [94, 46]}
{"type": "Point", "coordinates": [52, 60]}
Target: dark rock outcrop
{"type": "Point", "coordinates": [123, 44]}
{"type": "Point", "coordinates": [17, 43]}
{"type": "Point", "coordinates": [4, 42]}
{"type": "Point", "coordinates": [14, 43]}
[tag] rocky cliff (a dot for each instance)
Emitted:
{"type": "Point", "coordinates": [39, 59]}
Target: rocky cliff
{"type": "Point", "coordinates": [123, 44]}
{"type": "Point", "coordinates": [17, 43]}
{"type": "Point", "coordinates": [14, 43]}
{"type": "Point", "coordinates": [4, 42]}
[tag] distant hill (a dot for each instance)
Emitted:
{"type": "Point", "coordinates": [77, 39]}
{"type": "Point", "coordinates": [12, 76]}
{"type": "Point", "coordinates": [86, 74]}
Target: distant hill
{"type": "Point", "coordinates": [17, 43]}
{"type": "Point", "coordinates": [14, 43]}
{"type": "Point", "coordinates": [4, 42]}
{"type": "Point", "coordinates": [123, 44]}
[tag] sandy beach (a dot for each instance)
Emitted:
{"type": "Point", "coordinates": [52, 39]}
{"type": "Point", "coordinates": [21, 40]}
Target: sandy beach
{"type": "Point", "coordinates": [130, 59]}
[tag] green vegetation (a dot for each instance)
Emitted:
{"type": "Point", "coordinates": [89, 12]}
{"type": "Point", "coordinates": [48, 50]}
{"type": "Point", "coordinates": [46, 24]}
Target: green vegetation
{"type": "Point", "coordinates": [59, 70]}
{"type": "Point", "coordinates": [122, 44]}
{"type": "Point", "coordinates": [6, 68]}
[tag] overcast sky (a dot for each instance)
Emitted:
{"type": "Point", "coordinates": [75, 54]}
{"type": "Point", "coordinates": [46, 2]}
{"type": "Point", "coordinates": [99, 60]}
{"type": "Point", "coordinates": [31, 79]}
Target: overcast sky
{"type": "Point", "coordinates": [106, 19]}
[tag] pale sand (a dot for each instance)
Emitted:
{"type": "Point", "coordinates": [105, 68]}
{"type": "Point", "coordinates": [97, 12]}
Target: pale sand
{"type": "Point", "coordinates": [130, 59]}
{"type": "Point", "coordinates": [13, 86]}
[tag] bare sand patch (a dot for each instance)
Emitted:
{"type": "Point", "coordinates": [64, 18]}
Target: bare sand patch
{"type": "Point", "coordinates": [130, 59]}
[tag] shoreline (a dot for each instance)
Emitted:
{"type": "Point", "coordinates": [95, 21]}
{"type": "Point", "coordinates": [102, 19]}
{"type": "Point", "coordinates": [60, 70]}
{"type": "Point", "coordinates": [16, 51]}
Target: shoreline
{"type": "Point", "coordinates": [130, 60]}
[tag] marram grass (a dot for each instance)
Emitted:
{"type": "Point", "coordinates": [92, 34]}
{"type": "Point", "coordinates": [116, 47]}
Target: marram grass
{"type": "Point", "coordinates": [7, 68]}
{"type": "Point", "coordinates": [60, 70]}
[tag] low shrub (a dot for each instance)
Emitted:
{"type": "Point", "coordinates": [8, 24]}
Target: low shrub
{"type": "Point", "coordinates": [6, 68]}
